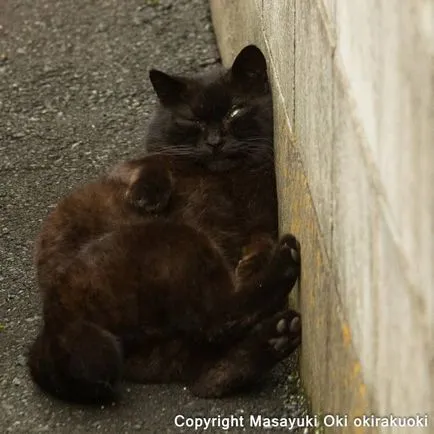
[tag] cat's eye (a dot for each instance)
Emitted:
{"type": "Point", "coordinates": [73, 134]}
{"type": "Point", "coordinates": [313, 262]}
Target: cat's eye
{"type": "Point", "coordinates": [235, 112]}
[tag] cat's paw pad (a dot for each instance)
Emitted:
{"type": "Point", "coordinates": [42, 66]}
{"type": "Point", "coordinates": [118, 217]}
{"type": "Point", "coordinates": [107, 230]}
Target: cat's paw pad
{"type": "Point", "coordinates": [289, 242]}
{"type": "Point", "coordinates": [150, 193]}
{"type": "Point", "coordinates": [287, 333]}
{"type": "Point", "coordinates": [286, 259]}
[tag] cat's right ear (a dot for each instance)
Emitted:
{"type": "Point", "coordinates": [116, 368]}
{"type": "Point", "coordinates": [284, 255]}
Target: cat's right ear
{"type": "Point", "coordinates": [170, 90]}
{"type": "Point", "coordinates": [249, 69]}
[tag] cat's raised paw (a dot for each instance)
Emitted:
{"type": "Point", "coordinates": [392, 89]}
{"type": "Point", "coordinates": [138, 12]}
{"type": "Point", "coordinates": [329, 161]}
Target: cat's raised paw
{"type": "Point", "coordinates": [290, 242]}
{"type": "Point", "coordinates": [151, 191]}
{"type": "Point", "coordinates": [285, 264]}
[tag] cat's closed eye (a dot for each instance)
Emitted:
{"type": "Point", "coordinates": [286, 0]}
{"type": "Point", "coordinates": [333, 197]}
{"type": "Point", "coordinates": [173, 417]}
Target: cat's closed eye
{"type": "Point", "coordinates": [188, 123]}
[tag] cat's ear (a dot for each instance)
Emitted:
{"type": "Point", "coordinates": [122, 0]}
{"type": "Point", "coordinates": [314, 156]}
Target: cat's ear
{"type": "Point", "coordinates": [170, 90]}
{"type": "Point", "coordinates": [250, 69]}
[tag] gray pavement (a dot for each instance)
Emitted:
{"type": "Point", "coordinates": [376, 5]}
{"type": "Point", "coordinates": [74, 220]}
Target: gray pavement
{"type": "Point", "coordinates": [74, 99]}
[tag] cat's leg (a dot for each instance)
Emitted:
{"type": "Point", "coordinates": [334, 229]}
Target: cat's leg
{"type": "Point", "coordinates": [80, 362]}
{"type": "Point", "coordinates": [266, 262]}
{"type": "Point", "coordinates": [215, 314]}
{"type": "Point", "coordinates": [269, 342]}
{"type": "Point", "coordinates": [215, 369]}
{"type": "Point", "coordinates": [148, 182]}
{"type": "Point", "coordinates": [264, 277]}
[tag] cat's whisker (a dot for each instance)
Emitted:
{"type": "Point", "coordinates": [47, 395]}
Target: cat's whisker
{"type": "Point", "coordinates": [179, 151]}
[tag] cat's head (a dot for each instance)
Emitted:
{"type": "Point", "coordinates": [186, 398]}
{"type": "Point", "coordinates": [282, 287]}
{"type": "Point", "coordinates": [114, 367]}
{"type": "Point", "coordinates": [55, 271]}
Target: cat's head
{"type": "Point", "coordinates": [221, 119]}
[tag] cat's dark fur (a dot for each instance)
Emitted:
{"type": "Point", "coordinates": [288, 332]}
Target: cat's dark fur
{"type": "Point", "coordinates": [168, 269]}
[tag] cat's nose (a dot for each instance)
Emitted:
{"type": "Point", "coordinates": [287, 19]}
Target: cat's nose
{"type": "Point", "coordinates": [214, 139]}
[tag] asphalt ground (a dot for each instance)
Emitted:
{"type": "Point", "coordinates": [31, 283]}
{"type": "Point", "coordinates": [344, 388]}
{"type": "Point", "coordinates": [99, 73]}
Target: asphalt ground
{"type": "Point", "coordinates": [74, 99]}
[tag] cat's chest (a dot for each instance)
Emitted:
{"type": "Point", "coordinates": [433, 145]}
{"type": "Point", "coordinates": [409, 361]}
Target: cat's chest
{"type": "Point", "coordinates": [208, 203]}
{"type": "Point", "coordinates": [231, 204]}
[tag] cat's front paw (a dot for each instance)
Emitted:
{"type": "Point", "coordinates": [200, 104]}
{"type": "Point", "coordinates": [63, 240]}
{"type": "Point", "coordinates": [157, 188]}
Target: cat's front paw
{"type": "Point", "coordinates": [285, 264]}
{"type": "Point", "coordinates": [151, 191]}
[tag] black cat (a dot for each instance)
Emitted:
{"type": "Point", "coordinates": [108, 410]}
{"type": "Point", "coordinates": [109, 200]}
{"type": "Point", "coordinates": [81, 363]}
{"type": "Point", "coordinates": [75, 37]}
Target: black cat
{"type": "Point", "coordinates": [169, 269]}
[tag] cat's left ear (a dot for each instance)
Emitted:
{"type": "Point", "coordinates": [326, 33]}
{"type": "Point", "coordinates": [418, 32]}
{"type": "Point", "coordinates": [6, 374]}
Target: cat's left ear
{"type": "Point", "coordinates": [169, 89]}
{"type": "Point", "coordinates": [249, 69]}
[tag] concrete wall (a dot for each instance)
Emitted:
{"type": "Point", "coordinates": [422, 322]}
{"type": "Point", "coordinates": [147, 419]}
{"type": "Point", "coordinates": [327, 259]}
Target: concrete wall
{"type": "Point", "coordinates": [354, 101]}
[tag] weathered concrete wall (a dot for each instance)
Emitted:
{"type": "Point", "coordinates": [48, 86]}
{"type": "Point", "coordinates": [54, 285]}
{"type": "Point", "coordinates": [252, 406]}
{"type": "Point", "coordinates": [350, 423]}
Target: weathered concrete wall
{"type": "Point", "coordinates": [354, 101]}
